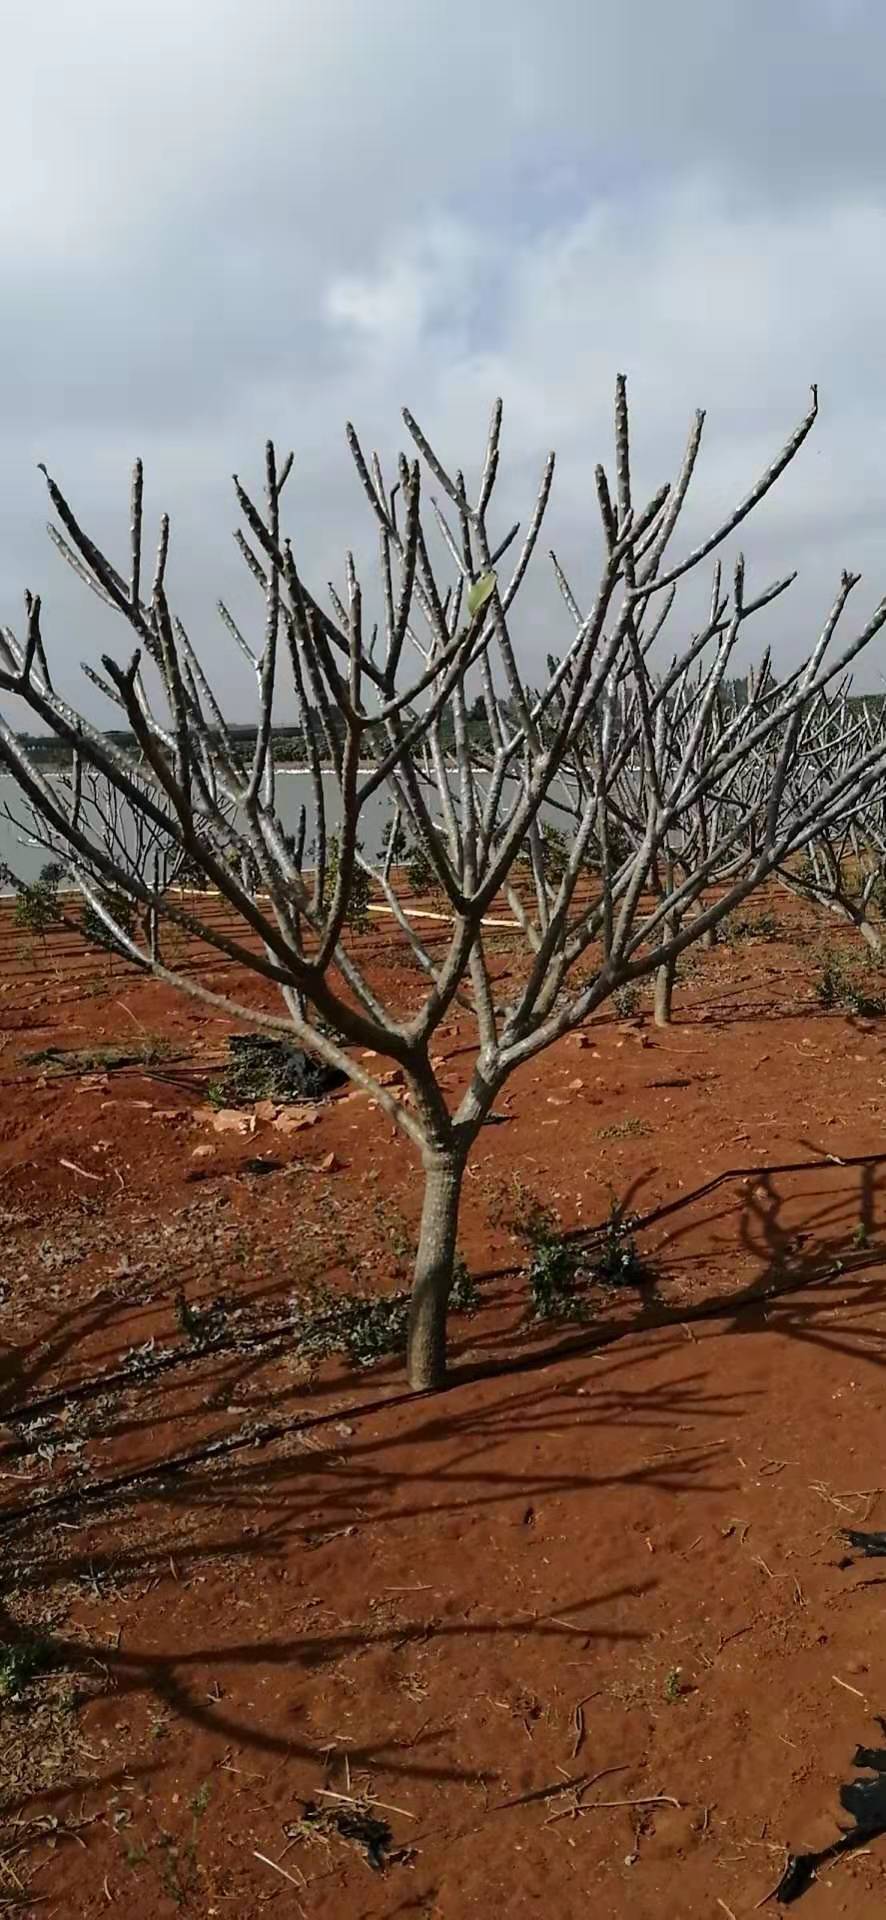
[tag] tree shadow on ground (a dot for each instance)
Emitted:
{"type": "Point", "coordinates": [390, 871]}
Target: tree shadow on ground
{"type": "Point", "coordinates": [382, 1459]}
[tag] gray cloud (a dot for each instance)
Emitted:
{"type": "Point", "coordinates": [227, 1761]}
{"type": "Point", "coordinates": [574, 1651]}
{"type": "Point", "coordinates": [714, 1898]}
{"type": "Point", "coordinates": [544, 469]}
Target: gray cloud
{"type": "Point", "coordinates": [229, 220]}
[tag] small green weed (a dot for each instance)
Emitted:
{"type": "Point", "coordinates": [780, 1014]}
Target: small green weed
{"type": "Point", "coordinates": [617, 1263]}
{"type": "Point", "coordinates": [841, 983]}
{"type": "Point", "coordinates": [121, 911]}
{"type": "Point", "coordinates": [36, 907]}
{"type": "Point", "coordinates": [751, 926]}
{"type": "Point", "coordinates": [552, 1272]}
{"type": "Point", "coordinates": [465, 1294]}
{"type": "Point", "coordinates": [624, 1130]}
{"type": "Point", "coordinates": [419, 869]}
{"type": "Point", "coordinates": [359, 892]}
{"type": "Point", "coordinates": [173, 1860]}
{"type": "Point", "coordinates": [366, 1326]}
{"type": "Point", "coordinates": [559, 1269]}
{"type": "Point", "coordinates": [626, 1000]}
{"type": "Point", "coordinates": [551, 1277]}
{"type": "Point", "coordinates": [20, 1662]}
{"type": "Point", "coordinates": [673, 1685]}
{"type": "Point", "coordinates": [519, 1209]}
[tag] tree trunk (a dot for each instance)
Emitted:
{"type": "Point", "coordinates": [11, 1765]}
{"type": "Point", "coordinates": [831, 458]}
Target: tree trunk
{"type": "Point", "coordinates": [432, 1279]}
{"type": "Point", "coordinates": [857, 918]}
{"type": "Point", "coordinates": [664, 993]}
{"type": "Point", "coordinates": [666, 974]}
{"type": "Point", "coordinates": [151, 933]}
{"type": "Point", "coordinates": [870, 935]}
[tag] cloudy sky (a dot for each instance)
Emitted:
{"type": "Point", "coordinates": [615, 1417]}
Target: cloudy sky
{"type": "Point", "coordinates": [221, 220]}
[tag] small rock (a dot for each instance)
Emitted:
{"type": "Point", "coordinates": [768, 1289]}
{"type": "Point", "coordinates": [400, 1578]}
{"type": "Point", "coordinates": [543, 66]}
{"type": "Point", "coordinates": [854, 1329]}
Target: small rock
{"type": "Point", "coordinates": [230, 1120]}
{"type": "Point", "coordinates": [296, 1119]}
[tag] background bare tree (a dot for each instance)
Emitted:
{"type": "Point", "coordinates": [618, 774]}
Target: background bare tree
{"type": "Point", "coordinates": [843, 868]}
{"type": "Point", "coordinates": [130, 839]}
{"type": "Point", "coordinates": [660, 791]}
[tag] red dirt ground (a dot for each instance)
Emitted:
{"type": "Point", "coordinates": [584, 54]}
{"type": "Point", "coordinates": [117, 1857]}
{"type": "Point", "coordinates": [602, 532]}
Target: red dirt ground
{"type": "Point", "coordinates": [583, 1627]}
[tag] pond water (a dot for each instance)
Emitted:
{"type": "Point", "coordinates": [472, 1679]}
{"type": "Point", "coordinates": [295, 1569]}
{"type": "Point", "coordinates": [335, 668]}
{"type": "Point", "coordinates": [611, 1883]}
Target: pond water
{"type": "Point", "coordinates": [294, 790]}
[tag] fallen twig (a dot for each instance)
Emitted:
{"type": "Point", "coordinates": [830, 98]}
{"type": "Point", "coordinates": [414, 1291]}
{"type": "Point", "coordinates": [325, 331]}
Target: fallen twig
{"type": "Point", "coordinates": [847, 1688]}
{"type": "Point", "coordinates": [263, 1857]}
{"type": "Point", "coordinates": [645, 1800]}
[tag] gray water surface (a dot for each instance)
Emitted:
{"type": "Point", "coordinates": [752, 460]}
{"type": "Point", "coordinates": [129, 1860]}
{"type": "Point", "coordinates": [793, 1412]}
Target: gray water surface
{"type": "Point", "coordinates": [294, 790]}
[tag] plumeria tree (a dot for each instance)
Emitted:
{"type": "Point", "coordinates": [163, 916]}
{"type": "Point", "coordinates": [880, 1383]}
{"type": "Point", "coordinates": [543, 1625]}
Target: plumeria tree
{"type": "Point", "coordinates": [652, 782]}
{"type": "Point", "coordinates": [844, 865]}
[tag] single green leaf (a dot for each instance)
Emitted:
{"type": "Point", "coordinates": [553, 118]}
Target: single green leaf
{"type": "Point", "coordinates": [481, 591]}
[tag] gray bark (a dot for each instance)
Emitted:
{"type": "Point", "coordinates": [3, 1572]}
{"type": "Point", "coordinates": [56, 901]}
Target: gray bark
{"type": "Point", "coordinates": [432, 1279]}
{"type": "Point", "coordinates": [870, 935]}
{"type": "Point", "coordinates": [666, 974]}
{"type": "Point", "coordinates": [664, 993]}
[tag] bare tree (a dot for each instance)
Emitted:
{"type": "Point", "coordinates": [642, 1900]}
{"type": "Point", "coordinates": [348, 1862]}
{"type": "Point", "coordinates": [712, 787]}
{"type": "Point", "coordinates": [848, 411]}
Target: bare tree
{"type": "Point", "coordinates": [129, 838]}
{"type": "Point", "coordinates": [658, 798]}
{"type": "Point", "coordinates": [843, 866]}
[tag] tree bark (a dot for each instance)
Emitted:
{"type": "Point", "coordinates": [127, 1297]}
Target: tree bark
{"type": "Point", "coordinates": [869, 935]}
{"type": "Point", "coordinates": [666, 974]}
{"type": "Point", "coordinates": [664, 993]}
{"type": "Point", "coordinates": [432, 1279]}
{"type": "Point", "coordinates": [857, 918]}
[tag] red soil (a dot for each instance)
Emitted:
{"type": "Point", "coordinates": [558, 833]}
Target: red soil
{"type": "Point", "coordinates": [584, 1624]}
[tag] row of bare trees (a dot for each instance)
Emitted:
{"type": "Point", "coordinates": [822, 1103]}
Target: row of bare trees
{"type": "Point", "coordinates": [673, 798]}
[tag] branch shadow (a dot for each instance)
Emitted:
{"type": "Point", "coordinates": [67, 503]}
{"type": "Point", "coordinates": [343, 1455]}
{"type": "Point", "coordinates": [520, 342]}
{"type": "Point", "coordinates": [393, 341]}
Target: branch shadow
{"type": "Point", "coordinates": [318, 1478]}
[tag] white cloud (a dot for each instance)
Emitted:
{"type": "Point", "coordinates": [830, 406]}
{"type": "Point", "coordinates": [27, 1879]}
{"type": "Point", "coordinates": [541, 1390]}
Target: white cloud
{"type": "Point", "coordinates": [240, 220]}
{"type": "Point", "coordinates": [736, 309]}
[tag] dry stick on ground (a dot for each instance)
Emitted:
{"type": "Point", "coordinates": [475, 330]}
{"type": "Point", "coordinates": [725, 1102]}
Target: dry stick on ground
{"type": "Point", "coordinates": [633, 761]}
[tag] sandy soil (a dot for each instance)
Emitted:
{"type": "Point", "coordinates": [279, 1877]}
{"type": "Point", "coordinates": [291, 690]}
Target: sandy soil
{"type": "Point", "coordinates": [581, 1634]}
